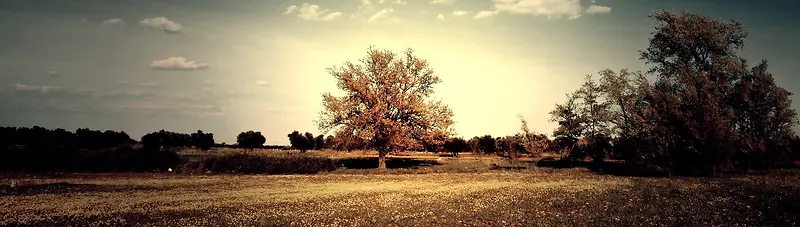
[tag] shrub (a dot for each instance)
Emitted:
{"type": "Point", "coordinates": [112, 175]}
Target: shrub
{"type": "Point", "coordinates": [251, 164]}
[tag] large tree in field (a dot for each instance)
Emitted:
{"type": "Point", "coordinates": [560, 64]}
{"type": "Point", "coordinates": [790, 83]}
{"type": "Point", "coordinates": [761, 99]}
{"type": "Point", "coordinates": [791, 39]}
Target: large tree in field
{"type": "Point", "coordinates": [694, 58]}
{"type": "Point", "coordinates": [387, 102]}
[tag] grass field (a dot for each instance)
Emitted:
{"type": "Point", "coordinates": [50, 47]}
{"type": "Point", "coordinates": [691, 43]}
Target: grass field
{"type": "Point", "coordinates": [445, 196]}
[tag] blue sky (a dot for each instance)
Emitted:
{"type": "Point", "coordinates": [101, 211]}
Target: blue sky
{"type": "Point", "coordinates": [231, 66]}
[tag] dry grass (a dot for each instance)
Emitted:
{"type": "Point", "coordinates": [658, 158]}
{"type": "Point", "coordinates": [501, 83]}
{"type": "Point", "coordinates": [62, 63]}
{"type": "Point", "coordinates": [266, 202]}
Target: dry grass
{"type": "Point", "coordinates": [529, 198]}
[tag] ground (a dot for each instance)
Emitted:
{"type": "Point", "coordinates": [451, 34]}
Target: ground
{"type": "Point", "coordinates": [532, 196]}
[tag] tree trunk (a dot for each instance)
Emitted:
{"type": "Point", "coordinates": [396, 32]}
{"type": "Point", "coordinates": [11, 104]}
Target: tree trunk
{"type": "Point", "coordinates": [381, 160]}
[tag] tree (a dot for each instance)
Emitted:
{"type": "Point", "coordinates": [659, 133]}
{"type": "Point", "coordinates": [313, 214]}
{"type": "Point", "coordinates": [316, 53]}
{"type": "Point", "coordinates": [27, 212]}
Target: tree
{"type": "Point", "coordinates": [319, 142]}
{"type": "Point", "coordinates": [250, 139]}
{"type": "Point", "coordinates": [597, 116]}
{"type": "Point", "coordinates": [456, 145]}
{"type": "Point", "coordinates": [330, 142]}
{"type": "Point", "coordinates": [165, 139]}
{"type": "Point", "coordinates": [764, 119]}
{"type": "Point", "coordinates": [570, 123]}
{"type": "Point", "coordinates": [694, 58]}
{"type": "Point", "coordinates": [298, 141]}
{"type": "Point", "coordinates": [202, 141]}
{"type": "Point", "coordinates": [532, 142]}
{"type": "Point", "coordinates": [487, 144]}
{"type": "Point", "coordinates": [387, 102]}
{"type": "Point", "coordinates": [309, 141]}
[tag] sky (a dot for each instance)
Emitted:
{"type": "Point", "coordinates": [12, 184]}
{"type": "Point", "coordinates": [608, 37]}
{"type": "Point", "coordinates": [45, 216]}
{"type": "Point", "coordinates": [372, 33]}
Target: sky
{"type": "Point", "coordinates": [230, 66]}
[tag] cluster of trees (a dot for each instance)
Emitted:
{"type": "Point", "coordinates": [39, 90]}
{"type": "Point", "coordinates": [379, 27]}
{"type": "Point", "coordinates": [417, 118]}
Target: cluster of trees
{"type": "Point", "coordinates": [705, 109]}
{"type": "Point", "coordinates": [41, 149]}
{"type": "Point", "coordinates": [82, 138]}
{"type": "Point", "coordinates": [250, 139]}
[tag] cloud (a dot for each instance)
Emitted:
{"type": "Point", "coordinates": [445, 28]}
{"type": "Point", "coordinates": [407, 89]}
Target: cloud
{"type": "Point", "coordinates": [571, 9]}
{"type": "Point", "coordinates": [595, 9]}
{"type": "Point", "coordinates": [459, 13]}
{"type": "Point", "coordinates": [122, 82]}
{"type": "Point", "coordinates": [207, 82]}
{"type": "Point", "coordinates": [162, 23]}
{"type": "Point", "coordinates": [400, 2]}
{"type": "Point", "coordinates": [262, 83]}
{"type": "Point", "coordinates": [484, 14]}
{"type": "Point", "coordinates": [290, 9]}
{"type": "Point", "coordinates": [440, 17]}
{"type": "Point", "coordinates": [381, 14]}
{"type": "Point", "coordinates": [177, 63]}
{"type": "Point", "coordinates": [52, 73]}
{"type": "Point", "coordinates": [312, 12]}
{"type": "Point", "coordinates": [442, 2]}
{"type": "Point", "coordinates": [113, 21]}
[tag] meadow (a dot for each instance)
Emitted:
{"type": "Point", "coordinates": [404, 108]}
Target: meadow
{"type": "Point", "coordinates": [417, 189]}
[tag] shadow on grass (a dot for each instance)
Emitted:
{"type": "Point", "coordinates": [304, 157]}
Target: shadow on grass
{"type": "Point", "coordinates": [391, 163]}
{"type": "Point", "coordinates": [611, 168]}
{"type": "Point", "coordinates": [63, 188]}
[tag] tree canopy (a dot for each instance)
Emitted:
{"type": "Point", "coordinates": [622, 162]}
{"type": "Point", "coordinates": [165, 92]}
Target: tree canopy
{"type": "Point", "coordinates": [387, 102]}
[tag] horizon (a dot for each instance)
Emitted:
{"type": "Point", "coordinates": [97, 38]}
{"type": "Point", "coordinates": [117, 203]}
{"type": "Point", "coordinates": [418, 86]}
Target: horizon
{"type": "Point", "coordinates": [230, 67]}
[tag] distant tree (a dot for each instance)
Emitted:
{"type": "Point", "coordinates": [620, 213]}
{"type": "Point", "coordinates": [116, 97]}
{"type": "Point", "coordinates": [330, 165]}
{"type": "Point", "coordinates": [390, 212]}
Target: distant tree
{"type": "Point", "coordinates": [319, 142]}
{"type": "Point", "coordinates": [385, 102]}
{"type": "Point", "coordinates": [474, 144]}
{"type": "Point", "coordinates": [330, 142]}
{"type": "Point", "coordinates": [456, 146]}
{"type": "Point", "coordinates": [532, 142]}
{"type": "Point", "coordinates": [298, 141]}
{"type": "Point", "coordinates": [310, 141]}
{"type": "Point", "coordinates": [166, 140]}
{"type": "Point", "coordinates": [250, 139]}
{"type": "Point", "coordinates": [487, 144]}
{"type": "Point", "coordinates": [202, 141]}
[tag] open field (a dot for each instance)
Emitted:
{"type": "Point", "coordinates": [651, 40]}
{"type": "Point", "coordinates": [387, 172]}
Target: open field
{"type": "Point", "coordinates": [530, 197]}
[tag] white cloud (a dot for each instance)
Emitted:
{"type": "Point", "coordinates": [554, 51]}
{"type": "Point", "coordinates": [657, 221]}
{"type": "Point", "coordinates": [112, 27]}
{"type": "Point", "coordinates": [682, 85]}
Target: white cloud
{"type": "Point", "coordinates": [571, 9]}
{"type": "Point", "coordinates": [312, 12]}
{"type": "Point", "coordinates": [162, 23]}
{"type": "Point", "coordinates": [262, 83]}
{"type": "Point", "coordinates": [485, 13]}
{"type": "Point", "coordinates": [122, 82]}
{"type": "Point", "coordinates": [459, 13]}
{"type": "Point", "coordinates": [365, 2]}
{"type": "Point", "coordinates": [290, 9]}
{"type": "Point", "coordinates": [177, 63]}
{"type": "Point", "coordinates": [207, 82]}
{"type": "Point", "coordinates": [440, 17]}
{"type": "Point", "coordinates": [595, 9]}
{"type": "Point", "coordinates": [442, 1]}
{"type": "Point", "coordinates": [400, 2]}
{"type": "Point", "coordinates": [381, 14]}
{"type": "Point", "coordinates": [113, 21]}
{"type": "Point", "coordinates": [52, 73]}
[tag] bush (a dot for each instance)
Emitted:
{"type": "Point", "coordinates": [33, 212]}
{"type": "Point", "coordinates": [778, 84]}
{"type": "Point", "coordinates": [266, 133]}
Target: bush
{"type": "Point", "coordinates": [251, 164]}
